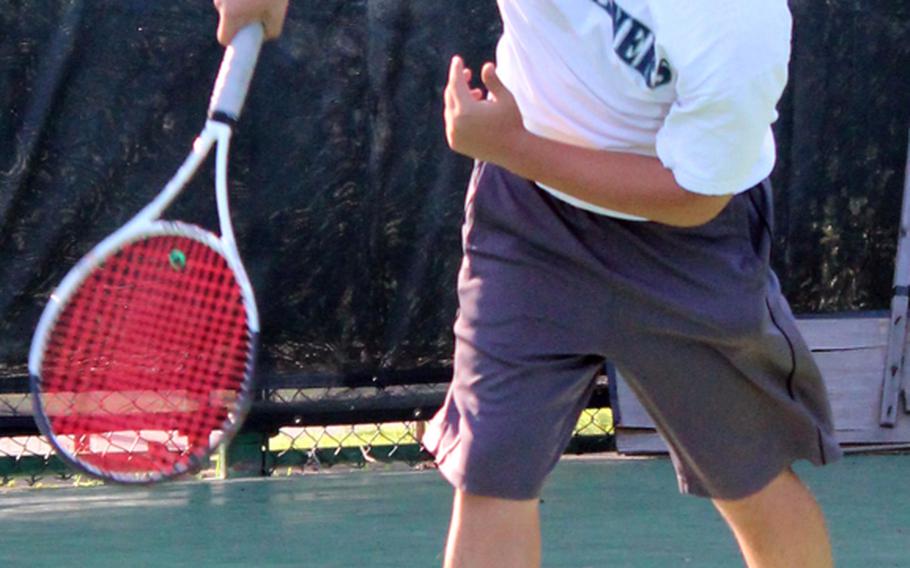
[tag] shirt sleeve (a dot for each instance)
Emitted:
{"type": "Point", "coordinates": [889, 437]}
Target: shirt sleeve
{"type": "Point", "coordinates": [731, 62]}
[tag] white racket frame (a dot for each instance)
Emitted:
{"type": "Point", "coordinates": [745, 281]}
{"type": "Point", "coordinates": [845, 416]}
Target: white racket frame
{"type": "Point", "coordinates": [228, 97]}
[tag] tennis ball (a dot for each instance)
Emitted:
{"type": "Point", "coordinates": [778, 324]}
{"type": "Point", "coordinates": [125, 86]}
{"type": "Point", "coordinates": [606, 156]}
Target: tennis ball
{"type": "Point", "coordinates": [177, 259]}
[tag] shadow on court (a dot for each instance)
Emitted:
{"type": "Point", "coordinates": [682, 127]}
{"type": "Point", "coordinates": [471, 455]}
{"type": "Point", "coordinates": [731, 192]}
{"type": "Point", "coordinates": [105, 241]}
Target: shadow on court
{"type": "Point", "coordinates": [596, 512]}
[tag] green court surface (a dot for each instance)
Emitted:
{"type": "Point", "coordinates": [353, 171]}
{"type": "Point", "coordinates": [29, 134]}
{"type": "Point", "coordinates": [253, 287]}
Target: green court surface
{"type": "Point", "coordinates": [596, 512]}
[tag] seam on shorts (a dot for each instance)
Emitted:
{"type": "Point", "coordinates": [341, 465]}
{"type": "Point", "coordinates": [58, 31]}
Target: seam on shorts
{"type": "Point", "coordinates": [761, 216]}
{"type": "Point", "coordinates": [792, 374]}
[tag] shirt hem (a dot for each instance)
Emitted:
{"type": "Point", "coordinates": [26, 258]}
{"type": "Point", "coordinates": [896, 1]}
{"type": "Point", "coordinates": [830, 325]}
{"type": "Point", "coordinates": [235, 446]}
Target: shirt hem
{"type": "Point", "coordinates": [581, 204]}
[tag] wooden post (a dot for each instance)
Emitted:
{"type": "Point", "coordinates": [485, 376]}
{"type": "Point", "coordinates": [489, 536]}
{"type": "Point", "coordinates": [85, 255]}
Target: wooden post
{"type": "Point", "coordinates": [221, 471]}
{"type": "Point", "coordinates": [893, 380]}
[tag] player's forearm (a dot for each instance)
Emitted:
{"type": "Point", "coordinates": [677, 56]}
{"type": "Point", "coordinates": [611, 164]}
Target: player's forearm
{"type": "Point", "coordinates": [628, 183]}
{"type": "Point", "coordinates": [491, 129]}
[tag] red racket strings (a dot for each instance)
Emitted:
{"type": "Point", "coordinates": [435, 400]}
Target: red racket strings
{"type": "Point", "coordinates": [147, 357]}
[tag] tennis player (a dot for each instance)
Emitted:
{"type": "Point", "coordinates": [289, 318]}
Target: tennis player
{"type": "Point", "coordinates": [619, 211]}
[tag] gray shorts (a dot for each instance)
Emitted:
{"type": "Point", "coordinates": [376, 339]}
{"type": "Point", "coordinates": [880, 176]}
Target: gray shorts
{"type": "Point", "coordinates": [693, 318]}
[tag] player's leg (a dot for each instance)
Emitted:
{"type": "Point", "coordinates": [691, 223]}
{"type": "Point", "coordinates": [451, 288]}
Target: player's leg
{"type": "Point", "coordinates": [711, 349]}
{"type": "Point", "coordinates": [780, 526]}
{"type": "Point", "coordinates": [488, 532]}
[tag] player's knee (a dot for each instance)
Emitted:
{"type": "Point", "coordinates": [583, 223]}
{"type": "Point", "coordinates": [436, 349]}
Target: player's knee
{"type": "Point", "coordinates": [505, 468]}
{"type": "Point", "coordinates": [783, 484]}
{"type": "Point", "coordinates": [492, 503]}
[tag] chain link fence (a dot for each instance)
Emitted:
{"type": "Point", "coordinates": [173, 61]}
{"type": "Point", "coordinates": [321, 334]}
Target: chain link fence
{"type": "Point", "coordinates": [295, 430]}
{"type": "Point", "coordinates": [363, 445]}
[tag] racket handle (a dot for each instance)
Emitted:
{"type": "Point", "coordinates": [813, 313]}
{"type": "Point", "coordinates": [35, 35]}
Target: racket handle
{"type": "Point", "coordinates": [235, 74]}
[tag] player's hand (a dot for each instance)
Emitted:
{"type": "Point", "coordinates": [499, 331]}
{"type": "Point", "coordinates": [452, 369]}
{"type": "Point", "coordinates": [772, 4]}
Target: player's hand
{"type": "Point", "coordinates": [234, 14]}
{"type": "Point", "coordinates": [483, 129]}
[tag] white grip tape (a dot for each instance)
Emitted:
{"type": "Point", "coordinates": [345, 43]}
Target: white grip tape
{"type": "Point", "coordinates": [236, 71]}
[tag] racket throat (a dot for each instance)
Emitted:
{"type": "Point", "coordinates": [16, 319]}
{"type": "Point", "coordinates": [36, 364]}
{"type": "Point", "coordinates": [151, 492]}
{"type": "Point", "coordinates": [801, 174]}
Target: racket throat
{"type": "Point", "coordinates": [222, 117]}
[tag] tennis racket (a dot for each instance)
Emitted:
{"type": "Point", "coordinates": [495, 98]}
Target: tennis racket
{"type": "Point", "coordinates": [142, 361]}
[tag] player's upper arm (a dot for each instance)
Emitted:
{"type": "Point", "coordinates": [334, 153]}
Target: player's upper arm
{"type": "Point", "coordinates": [731, 60]}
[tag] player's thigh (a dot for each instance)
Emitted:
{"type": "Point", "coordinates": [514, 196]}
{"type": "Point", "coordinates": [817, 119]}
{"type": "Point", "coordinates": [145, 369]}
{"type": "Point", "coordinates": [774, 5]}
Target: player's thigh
{"type": "Point", "coordinates": [525, 357]}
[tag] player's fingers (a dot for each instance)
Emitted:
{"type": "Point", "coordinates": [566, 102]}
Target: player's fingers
{"type": "Point", "coordinates": [273, 19]}
{"type": "Point", "coordinates": [448, 96]}
{"type": "Point", "coordinates": [447, 99]}
{"type": "Point", "coordinates": [491, 80]}
{"type": "Point", "coordinates": [235, 15]}
{"type": "Point", "coordinates": [457, 84]}
{"type": "Point", "coordinates": [227, 28]}
{"type": "Point", "coordinates": [476, 94]}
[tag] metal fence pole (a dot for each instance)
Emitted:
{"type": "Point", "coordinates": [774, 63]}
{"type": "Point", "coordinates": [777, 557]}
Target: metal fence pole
{"type": "Point", "coordinates": [893, 377]}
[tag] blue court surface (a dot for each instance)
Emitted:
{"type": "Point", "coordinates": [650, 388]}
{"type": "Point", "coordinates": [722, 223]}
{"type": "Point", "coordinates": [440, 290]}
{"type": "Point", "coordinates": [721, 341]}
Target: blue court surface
{"type": "Point", "coordinates": [597, 511]}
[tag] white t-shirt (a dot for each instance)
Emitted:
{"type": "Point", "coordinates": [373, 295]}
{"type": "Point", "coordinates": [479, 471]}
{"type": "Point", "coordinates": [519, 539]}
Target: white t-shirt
{"type": "Point", "coordinates": [693, 82]}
